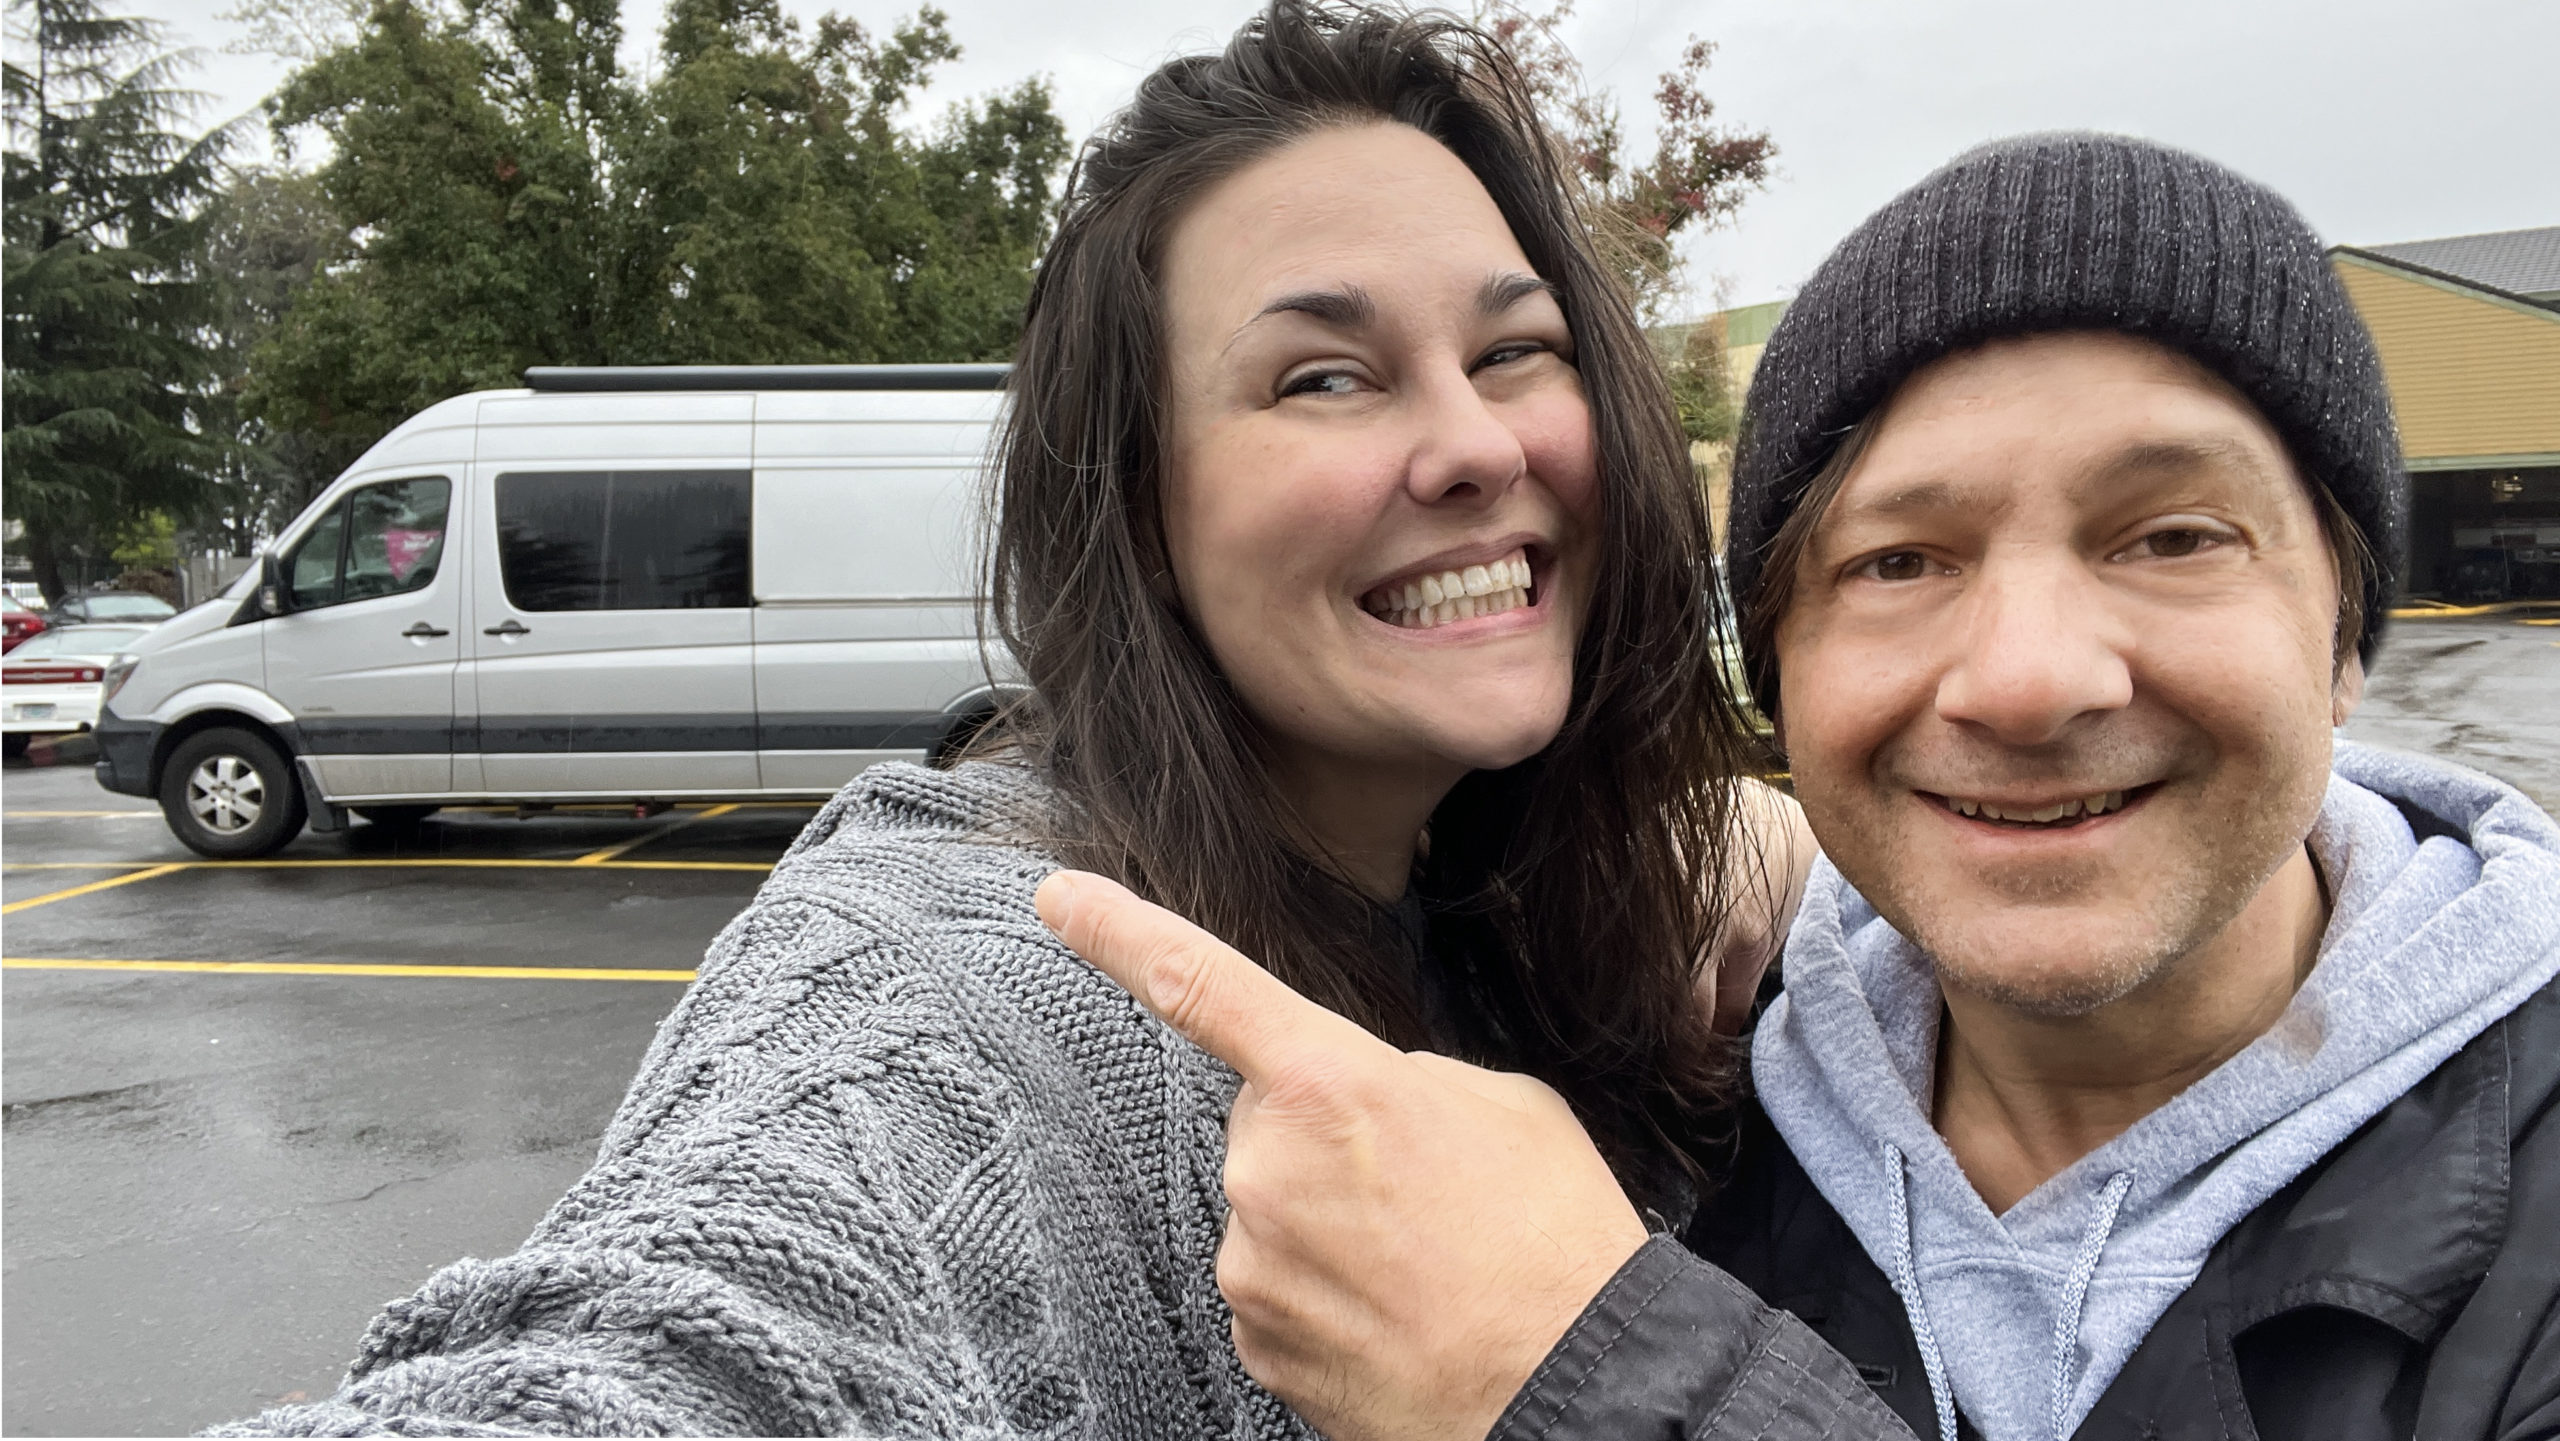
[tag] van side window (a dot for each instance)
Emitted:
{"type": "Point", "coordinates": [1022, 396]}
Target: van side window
{"type": "Point", "coordinates": [624, 539]}
{"type": "Point", "coordinates": [380, 540]}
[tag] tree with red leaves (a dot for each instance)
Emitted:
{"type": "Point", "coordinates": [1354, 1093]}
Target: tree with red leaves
{"type": "Point", "coordinates": [1698, 176]}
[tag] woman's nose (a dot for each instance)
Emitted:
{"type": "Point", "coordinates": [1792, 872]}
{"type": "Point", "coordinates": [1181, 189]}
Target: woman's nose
{"type": "Point", "coordinates": [2036, 649]}
{"type": "Point", "coordinates": [1464, 450]}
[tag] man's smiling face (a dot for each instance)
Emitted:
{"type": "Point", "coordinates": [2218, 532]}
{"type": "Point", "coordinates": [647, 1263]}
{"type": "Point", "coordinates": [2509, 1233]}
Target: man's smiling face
{"type": "Point", "coordinates": [2057, 678]}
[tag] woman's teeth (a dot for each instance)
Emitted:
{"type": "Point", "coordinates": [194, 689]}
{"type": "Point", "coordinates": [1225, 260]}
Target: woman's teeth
{"type": "Point", "coordinates": [1453, 595]}
{"type": "Point", "coordinates": [2071, 810]}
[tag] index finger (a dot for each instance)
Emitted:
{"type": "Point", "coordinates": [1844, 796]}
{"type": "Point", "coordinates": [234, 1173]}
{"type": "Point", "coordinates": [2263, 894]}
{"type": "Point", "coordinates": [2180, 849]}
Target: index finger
{"type": "Point", "coordinates": [1217, 998]}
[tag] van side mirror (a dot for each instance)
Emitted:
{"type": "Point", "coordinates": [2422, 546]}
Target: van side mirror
{"type": "Point", "coordinates": [273, 597]}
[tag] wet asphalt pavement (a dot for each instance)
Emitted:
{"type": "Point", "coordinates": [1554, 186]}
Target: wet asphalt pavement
{"type": "Point", "coordinates": [213, 1180]}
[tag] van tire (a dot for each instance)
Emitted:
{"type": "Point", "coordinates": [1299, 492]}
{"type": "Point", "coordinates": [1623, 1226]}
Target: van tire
{"type": "Point", "coordinates": [230, 794]}
{"type": "Point", "coordinates": [397, 818]}
{"type": "Point", "coordinates": [17, 743]}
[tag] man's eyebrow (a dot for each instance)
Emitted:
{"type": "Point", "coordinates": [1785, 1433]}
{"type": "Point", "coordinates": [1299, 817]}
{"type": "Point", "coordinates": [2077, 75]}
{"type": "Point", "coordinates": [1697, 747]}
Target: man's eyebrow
{"type": "Point", "coordinates": [1917, 496]}
{"type": "Point", "coordinates": [2168, 457]}
{"type": "Point", "coordinates": [1508, 288]}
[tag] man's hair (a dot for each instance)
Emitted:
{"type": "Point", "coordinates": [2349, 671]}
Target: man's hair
{"type": "Point", "coordinates": [1571, 896]}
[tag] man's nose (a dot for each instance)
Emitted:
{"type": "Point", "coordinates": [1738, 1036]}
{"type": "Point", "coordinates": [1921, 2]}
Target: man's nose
{"type": "Point", "coordinates": [2038, 647]}
{"type": "Point", "coordinates": [1464, 450]}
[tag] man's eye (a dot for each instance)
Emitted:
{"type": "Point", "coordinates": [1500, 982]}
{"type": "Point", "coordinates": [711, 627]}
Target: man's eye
{"type": "Point", "coordinates": [1897, 565]}
{"type": "Point", "coordinates": [1322, 382]}
{"type": "Point", "coordinates": [2174, 544]}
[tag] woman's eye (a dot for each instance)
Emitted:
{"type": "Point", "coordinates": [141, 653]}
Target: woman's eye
{"type": "Point", "coordinates": [1505, 354]}
{"type": "Point", "coordinates": [1897, 565]}
{"type": "Point", "coordinates": [1322, 382]}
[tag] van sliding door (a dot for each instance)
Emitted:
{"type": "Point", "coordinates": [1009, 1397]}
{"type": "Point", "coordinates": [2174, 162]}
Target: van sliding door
{"type": "Point", "coordinates": [611, 633]}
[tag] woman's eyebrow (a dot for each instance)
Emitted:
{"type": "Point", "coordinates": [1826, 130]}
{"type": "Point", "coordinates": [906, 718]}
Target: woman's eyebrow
{"type": "Point", "coordinates": [1505, 289]}
{"type": "Point", "coordinates": [1348, 308]}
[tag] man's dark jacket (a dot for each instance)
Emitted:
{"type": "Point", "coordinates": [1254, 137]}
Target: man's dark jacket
{"type": "Point", "coordinates": [2403, 1286]}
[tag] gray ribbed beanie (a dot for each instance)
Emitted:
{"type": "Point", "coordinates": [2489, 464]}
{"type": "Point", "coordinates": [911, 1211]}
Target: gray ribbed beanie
{"type": "Point", "coordinates": [2075, 231]}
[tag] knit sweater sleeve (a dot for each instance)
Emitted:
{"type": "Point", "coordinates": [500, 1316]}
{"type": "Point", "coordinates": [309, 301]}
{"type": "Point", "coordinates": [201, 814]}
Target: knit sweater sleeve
{"type": "Point", "coordinates": [897, 1166]}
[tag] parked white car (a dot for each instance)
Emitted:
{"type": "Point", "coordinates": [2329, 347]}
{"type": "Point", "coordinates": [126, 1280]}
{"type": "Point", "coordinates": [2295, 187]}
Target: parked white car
{"type": "Point", "coordinates": [52, 680]}
{"type": "Point", "coordinates": [643, 584]}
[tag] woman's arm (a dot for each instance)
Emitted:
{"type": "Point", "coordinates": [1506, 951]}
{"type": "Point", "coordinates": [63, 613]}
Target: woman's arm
{"type": "Point", "coordinates": [1765, 866]}
{"type": "Point", "coordinates": [846, 1196]}
{"type": "Point", "coordinates": [1419, 1248]}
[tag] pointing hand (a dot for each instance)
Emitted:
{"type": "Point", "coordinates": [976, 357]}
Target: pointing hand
{"type": "Point", "coordinates": [1408, 1235]}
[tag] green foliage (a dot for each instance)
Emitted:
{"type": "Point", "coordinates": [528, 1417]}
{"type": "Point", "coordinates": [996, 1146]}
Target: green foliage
{"type": "Point", "coordinates": [264, 240]}
{"type": "Point", "coordinates": [104, 309]}
{"type": "Point", "coordinates": [1702, 383]}
{"type": "Point", "coordinates": [148, 541]}
{"type": "Point", "coordinates": [515, 199]}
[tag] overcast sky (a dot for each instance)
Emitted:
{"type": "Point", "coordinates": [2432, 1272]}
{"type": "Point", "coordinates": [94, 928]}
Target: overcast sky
{"type": "Point", "coordinates": [2383, 120]}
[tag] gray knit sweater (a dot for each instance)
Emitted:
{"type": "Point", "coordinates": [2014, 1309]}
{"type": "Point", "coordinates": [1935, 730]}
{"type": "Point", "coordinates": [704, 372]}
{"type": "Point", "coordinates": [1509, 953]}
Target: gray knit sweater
{"type": "Point", "coordinates": [898, 1165]}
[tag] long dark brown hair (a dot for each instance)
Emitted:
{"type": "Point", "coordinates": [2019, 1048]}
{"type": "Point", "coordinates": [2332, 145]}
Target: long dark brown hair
{"type": "Point", "coordinates": [1570, 897]}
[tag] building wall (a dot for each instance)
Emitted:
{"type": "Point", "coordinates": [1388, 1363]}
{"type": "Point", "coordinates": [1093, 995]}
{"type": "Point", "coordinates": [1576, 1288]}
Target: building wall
{"type": "Point", "coordinates": [2474, 378]}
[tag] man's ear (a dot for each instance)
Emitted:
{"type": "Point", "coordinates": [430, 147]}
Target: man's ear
{"type": "Point", "coordinates": [2346, 690]}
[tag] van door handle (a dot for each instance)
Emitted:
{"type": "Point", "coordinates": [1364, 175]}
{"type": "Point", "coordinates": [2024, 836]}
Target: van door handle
{"type": "Point", "coordinates": [424, 631]}
{"type": "Point", "coordinates": [511, 626]}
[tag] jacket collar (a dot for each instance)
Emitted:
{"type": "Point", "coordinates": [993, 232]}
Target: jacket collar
{"type": "Point", "coordinates": [2399, 1223]}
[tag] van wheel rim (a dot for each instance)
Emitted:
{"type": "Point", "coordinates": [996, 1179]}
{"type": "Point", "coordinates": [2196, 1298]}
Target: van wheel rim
{"type": "Point", "coordinates": [226, 795]}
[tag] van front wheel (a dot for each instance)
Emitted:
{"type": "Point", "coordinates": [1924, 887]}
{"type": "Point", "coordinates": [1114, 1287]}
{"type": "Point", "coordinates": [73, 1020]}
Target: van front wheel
{"type": "Point", "coordinates": [230, 794]}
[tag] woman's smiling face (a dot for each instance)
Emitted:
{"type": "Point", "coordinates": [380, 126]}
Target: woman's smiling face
{"type": "Point", "coordinates": [1382, 486]}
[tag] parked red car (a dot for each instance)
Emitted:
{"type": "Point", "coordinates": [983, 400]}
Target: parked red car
{"type": "Point", "coordinates": [19, 621]}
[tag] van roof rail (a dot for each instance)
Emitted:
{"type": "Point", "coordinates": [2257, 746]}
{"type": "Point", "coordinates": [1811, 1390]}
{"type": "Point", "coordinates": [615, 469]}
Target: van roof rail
{"type": "Point", "coordinates": [590, 378]}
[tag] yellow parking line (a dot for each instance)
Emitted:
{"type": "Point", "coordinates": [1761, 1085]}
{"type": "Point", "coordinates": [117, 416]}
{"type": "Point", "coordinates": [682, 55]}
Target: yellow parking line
{"type": "Point", "coordinates": [373, 863]}
{"type": "Point", "coordinates": [597, 858]}
{"type": "Point", "coordinates": [143, 870]}
{"type": "Point", "coordinates": [458, 862]}
{"type": "Point", "coordinates": [318, 968]}
{"type": "Point", "coordinates": [110, 882]}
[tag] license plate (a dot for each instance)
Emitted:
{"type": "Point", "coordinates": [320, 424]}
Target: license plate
{"type": "Point", "coordinates": [31, 712]}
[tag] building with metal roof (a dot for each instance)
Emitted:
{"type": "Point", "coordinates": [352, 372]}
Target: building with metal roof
{"type": "Point", "coordinates": [2468, 328]}
{"type": "Point", "coordinates": [2520, 262]}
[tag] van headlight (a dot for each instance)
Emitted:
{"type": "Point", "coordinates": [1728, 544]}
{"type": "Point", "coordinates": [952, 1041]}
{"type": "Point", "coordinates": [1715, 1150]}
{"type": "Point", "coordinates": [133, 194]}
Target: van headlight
{"type": "Point", "coordinates": [119, 671]}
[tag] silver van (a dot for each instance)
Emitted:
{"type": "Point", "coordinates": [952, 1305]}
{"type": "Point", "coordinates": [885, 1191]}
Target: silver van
{"type": "Point", "coordinates": [640, 584]}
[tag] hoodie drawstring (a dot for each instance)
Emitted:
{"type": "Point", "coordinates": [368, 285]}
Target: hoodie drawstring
{"type": "Point", "coordinates": [1906, 1279]}
{"type": "Point", "coordinates": [2075, 1298]}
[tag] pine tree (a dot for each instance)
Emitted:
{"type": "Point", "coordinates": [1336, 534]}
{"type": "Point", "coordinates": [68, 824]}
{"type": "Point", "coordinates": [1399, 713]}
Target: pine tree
{"type": "Point", "coordinates": [104, 307]}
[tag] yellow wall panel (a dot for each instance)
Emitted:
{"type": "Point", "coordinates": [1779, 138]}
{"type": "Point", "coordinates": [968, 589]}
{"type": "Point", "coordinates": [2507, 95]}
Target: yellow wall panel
{"type": "Point", "coordinates": [2468, 374]}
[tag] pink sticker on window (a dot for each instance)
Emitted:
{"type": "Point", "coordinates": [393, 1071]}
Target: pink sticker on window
{"type": "Point", "coordinates": [406, 547]}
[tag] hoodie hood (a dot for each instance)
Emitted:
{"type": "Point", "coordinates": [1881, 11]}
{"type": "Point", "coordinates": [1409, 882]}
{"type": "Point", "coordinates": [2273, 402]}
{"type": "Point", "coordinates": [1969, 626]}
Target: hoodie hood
{"type": "Point", "coordinates": [2024, 1319]}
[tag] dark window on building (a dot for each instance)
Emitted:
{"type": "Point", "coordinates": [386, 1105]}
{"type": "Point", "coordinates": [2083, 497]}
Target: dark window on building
{"type": "Point", "coordinates": [624, 539]}
{"type": "Point", "coordinates": [379, 540]}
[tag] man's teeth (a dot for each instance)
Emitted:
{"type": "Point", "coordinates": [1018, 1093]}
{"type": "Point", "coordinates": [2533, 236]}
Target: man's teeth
{"type": "Point", "coordinates": [1453, 595]}
{"type": "Point", "coordinates": [2096, 805]}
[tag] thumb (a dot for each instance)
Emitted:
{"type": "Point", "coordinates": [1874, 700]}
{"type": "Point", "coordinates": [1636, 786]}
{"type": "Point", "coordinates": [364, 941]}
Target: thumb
{"type": "Point", "coordinates": [1220, 1001]}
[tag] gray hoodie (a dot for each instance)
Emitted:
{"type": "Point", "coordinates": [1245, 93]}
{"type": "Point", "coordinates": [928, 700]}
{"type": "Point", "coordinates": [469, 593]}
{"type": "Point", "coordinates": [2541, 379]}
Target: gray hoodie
{"type": "Point", "coordinates": [2024, 1319]}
